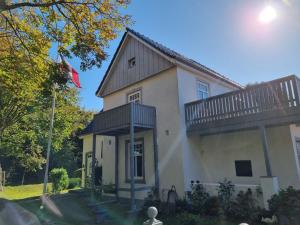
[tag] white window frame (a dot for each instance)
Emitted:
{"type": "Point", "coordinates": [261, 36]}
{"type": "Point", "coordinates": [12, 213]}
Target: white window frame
{"type": "Point", "coordinates": [198, 90]}
{"type": "Point", "coordinates": [136, 96]}
{"type": "Point", "coordinates": [139, 141]}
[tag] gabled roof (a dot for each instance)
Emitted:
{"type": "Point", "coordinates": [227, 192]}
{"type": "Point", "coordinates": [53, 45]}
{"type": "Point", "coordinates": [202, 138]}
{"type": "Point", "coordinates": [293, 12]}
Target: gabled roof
{"type": "Point", "coordinates": [171, 54]}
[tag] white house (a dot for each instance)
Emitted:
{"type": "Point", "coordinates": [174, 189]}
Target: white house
{"type": "Point", "coordinates": [189, 122]}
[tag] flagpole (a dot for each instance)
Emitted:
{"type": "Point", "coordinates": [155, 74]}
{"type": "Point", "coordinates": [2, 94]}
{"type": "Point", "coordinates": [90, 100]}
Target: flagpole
{"type": "Point", "coordinates": [49, 140]}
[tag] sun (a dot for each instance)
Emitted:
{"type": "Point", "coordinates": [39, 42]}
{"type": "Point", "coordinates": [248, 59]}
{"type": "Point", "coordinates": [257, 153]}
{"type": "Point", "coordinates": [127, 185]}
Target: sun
{"type": "Point", "coordinates": [267, 15]}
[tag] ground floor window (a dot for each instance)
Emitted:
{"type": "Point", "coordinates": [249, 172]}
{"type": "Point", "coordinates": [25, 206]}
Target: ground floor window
{"type": "Point", "coordinates": [138, 158]}
{"type": "Point", "coordinates": [298, 149]}
{"type": "Point", "coordinates": [88, 164]}
{"type": "Point", "coordinates": [243, 168]}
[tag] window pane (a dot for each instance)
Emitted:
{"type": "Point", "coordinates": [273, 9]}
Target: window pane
{"type": "Point", "coordinates": [139, 164]}
{"type": "Point", "coordinates": [243, 168]}
{"type": "Point", "coordinates": [138, 160]}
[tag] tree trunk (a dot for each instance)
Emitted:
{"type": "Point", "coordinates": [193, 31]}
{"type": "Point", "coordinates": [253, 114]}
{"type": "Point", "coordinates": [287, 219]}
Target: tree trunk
{"type": "Point", "coordinates": [23, 177]}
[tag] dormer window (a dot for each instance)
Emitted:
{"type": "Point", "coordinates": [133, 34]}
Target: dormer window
{"type": "Point", "coordinates": [131, 63]}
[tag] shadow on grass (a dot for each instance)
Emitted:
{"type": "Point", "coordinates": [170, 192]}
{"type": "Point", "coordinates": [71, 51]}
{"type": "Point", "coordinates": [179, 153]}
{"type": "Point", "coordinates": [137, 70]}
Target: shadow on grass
{"type": "Point", "coordinates": [60, 209]}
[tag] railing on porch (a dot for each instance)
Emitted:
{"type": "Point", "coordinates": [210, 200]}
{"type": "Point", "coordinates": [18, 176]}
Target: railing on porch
{"type": "Point", "coordinates": [278, 96]}
{"type": "Point", "coordinates": [119, 117]}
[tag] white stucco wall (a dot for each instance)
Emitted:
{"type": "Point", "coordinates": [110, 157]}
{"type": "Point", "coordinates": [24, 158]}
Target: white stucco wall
{"type": "Point", "coordinates": [107, 150]}
{"type": "Point", "coordinates": [160, 91]}
{"type": "Point", "coordinates": [212, 158]}
{"type": "Point", "coordinates": [187, 81]}
{"type": "Point", "coordinates": [295, 134]}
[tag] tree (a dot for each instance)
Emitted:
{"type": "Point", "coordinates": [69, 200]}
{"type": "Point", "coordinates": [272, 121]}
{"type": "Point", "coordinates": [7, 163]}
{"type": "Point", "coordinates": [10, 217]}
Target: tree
{"type": "Point", "coordinates": [29, 29]}
{"type": "Point", "coordinates": [81, 27]}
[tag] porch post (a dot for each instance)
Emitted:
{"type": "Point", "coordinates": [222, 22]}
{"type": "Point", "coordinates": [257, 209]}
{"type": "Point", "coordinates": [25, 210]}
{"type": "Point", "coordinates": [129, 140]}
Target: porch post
{"type": "Point", "coordinates": [132, 188]}
{"type": "Point", "coordinates": [117, 166]}
{"type": "Point", "coordinates": [263, 134]}
{"type": "Point", "coordinates": [155, 149]}
{"type": "Point", "coordinates": [93, 161]}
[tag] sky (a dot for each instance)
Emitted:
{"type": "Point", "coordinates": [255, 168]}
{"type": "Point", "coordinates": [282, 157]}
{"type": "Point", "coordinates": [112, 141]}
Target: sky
{"type": "Point", "coordinates": [224, 35]}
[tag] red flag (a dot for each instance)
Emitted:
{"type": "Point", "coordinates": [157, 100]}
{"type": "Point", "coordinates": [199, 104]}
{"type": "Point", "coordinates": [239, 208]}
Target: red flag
{"type": "Point", "coordinates": [71, 72]}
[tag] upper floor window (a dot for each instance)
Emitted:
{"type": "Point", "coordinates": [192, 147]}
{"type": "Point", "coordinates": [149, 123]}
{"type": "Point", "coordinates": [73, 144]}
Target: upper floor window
{"type": "Point", "coordinates": [135, 97]}
{"type": "Point", "coordinates": [131, 63]}
{"type": "Point", "coordinates": [202, 90]}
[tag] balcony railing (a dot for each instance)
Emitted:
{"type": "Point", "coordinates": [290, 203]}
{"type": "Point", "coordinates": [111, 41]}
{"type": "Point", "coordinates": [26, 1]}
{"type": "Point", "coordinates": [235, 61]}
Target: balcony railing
{"type": "Point", "coordinates": [118, 119]}
{"type": "Point", "coordinates": [275, 99]}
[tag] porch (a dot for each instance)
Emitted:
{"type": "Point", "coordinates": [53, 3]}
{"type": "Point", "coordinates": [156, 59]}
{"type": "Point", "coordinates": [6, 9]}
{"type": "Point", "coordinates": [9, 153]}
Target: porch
{"type": "Point", "coordinates": [127, 120]}
{"type": "Point", "coordinates": [258, 109]}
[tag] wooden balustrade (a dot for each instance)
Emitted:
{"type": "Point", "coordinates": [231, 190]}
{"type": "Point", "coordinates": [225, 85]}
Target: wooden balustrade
{"type": "Point", "coordinates": [278, 97]}
{"type": "Point", "coordinates": [119, 118]}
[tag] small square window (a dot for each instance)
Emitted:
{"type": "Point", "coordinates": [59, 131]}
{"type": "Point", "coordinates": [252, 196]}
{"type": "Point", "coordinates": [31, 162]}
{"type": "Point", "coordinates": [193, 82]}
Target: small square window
{"type": "Point", "coordinates": [134, 97]}
{"type": "Point", "coordinates": [243, 168]}
{"type": "Point", "coordinates": [131, 63]}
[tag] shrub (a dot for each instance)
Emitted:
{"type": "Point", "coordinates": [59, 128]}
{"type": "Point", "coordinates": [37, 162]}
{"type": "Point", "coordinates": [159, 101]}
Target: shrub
{"type": "Point", "coordinates": [212, 206]}
{"type": "Point", "coordinates": [187, 219]}
{"type": "Point", "coordinates": [74, 182]}
{"type": "Point", "coordinates": [225, 194]}
{"type": "Point", "coordinates": [109, 188]}
{"type": "Point", "coordinates": [60, 179]}
{"type": "Point", "coordinates": [286, 205]}
{"type": "Point", "coordinates": [182, 205]}
{"type": "Point", "coordinates": [199, 196]}
{"type": "Point", "coordinates": [244, 208]}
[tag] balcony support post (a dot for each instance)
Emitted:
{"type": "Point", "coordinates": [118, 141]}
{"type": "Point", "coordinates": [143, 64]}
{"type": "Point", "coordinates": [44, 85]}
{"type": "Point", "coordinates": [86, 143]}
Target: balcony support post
{"type": "Point", "coordinates": [155, 149]}
{"type": "Point", "coordinates": [132, 183]}
{"type": "Point", "coordinates": [265, 144]}
{"type": "Point", "coordinates": [93, 179]}
{"type": "Point", "coordinates": [117, 167]}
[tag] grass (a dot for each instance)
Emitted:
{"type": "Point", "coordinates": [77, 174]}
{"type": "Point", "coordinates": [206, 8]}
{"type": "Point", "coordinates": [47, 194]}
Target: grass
{"type": "Point", "coordinates": [22, 191]}
{"type": "Point", "coordinates": [69, 209]}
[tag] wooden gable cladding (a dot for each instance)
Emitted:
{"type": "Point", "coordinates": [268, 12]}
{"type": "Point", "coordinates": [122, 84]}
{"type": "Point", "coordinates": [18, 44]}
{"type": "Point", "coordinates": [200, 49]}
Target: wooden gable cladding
{"type": "Point", "coordinates": [147, 63]}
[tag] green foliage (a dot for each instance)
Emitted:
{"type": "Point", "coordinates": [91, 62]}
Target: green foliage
{"type": "Point", "coordinates": [226, 190]}
{"type": "Point", "coordinates": [109, 188]}
{"type": "Point", "coordinates": [182, 205]}
{"type": "Point", "coordinates": [81, 28]}
{"type": "Point", "coordinates": [212, 206]}
{"type": "Point", "coordinates": [74, 182]}
{"type": "Point", "coordinates": [59, 178]}
{"type": "Point", "coordinates": [244, 207]}
{"type": "Point", "coordinates": [199, 196]}
{"type": "Point", "coordinates": [286, 204]}
{"type": "Point", "coordinates": [187, 219]}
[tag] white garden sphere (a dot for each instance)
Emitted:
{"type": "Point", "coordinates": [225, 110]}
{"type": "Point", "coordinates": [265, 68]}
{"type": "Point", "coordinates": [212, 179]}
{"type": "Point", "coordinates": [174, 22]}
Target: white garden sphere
{"type": "Point", "coordinates": [152, 212]}
{"type": "Point", "coordinates": [244, 224]}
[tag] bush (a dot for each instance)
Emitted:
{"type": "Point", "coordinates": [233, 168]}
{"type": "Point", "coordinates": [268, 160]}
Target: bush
{"type": "Point", "coordinates": [286, 205]}
{"type": "Point", "coordinates": [225, 194]}
{"type": "Point", "coordinates": [212, 206]}
{"type": "Point", "coordinates": [109, 188]}
{"type": "Point", "coordinates": [182, 205]}
{"type": "Point", "coordinates": [187, 219]}
{"type": "Point", "coordinates": [74, 182]}
{"type": "Point", "coordinates": [244, 208]}
{"type": "Point", "coordinates": [199, 196]}
{"type": "Point", "coordinates": [60, 179]}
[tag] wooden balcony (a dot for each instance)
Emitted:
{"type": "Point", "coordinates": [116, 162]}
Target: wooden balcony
{"type": "Point", "coordinates": [270, 103]}
{"type": "Point", "coordinates": [117, 121]}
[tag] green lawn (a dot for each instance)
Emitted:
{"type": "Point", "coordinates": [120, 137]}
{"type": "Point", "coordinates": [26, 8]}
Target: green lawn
{"type": "Point", "coordinates": [69, 209]}
{"type": "Point", "coordinates": [22, 191]}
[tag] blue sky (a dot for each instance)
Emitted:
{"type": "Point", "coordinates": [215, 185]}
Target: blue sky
{"type": "Point", "coordinates": [223, 35]}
